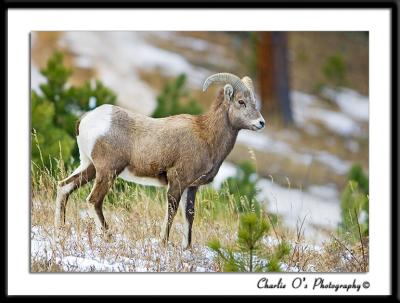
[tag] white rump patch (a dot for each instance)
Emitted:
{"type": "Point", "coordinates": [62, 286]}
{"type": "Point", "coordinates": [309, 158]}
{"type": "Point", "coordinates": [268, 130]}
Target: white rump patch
{"type": "Point", "coordinates": [94, 125]}
{"type": "Point", "coordinates": [131, 177]}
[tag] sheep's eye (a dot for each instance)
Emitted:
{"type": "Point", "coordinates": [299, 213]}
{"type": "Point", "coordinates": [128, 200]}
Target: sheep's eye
{"type": "Point", "coordinates": [241, 102]}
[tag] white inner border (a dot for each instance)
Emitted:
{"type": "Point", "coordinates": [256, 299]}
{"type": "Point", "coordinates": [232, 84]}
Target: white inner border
{"type": "Point", "coordinates": [21, 22]}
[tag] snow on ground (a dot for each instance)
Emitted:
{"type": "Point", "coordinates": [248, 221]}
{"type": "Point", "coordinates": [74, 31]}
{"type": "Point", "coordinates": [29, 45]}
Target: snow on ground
{"type": "Point", "coordinates": [116, 59]}
{"type": "Point", "coordinates": [354, 106]}
{"type": "Point", "coordinates": [196, 44]}
{"type": "Point", "coordinates": [301, 102]}
{"type": "Point", "coordinates": [336, 164]}
{"type": "Point", "coordinates": [350, 102]}
{"type": "Point", "coordinates": [336, 122]}
{"type": "Point", "coordinates": [328, 191]}
{"type": "Point", "coordinates": [226, 170]}
{"type": "Point", "coordinates": [119, 56]}
{"type": "Point", "coordinates": [265, 143]}
{"type": "Point", "coordinates": [214, 53]}
{"type": "Point", "coordinates": [294, 205]}
{"type": "Point", "coordinates": [319, 205]}
{"type": "Point", "coordinates": [76, 252]}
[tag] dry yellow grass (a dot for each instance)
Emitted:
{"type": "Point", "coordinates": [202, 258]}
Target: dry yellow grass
{"type": "Point", "coordinates": [135, 215]}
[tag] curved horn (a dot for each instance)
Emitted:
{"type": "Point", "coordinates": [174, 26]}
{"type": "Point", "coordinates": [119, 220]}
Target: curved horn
{"type": "Point", "coordinates": [248, 82]}
{"type": "Point", "coordinates": [225, 78]}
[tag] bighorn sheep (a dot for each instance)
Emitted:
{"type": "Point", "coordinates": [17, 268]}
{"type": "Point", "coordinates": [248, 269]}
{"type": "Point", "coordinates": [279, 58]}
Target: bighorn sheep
{"type": "Point", "coordinates": [181, 152]}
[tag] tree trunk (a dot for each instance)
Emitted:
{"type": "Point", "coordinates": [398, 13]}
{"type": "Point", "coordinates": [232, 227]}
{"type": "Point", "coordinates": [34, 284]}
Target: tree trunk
{"type": "Point", "coordinates": [265, 74]}
{"type": "Point", "coordinates": [273, 74]}
{"type": "Point", "coordinates": [282, 76]}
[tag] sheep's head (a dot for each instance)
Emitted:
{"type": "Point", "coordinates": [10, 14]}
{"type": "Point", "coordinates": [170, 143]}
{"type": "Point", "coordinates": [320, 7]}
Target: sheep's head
{"type": "Point", "coordinates": [239, 94]}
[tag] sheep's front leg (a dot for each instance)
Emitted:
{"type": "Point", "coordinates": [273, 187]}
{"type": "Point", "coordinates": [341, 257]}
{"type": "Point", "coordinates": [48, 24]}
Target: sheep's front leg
{"type": "Point", "coordinates": [187, 207]}
{"type": "Point", "coordinates": [173, 197]}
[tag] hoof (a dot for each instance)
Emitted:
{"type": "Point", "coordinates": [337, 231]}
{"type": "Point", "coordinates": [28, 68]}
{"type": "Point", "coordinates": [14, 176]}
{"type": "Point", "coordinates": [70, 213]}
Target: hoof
{"type": "Point", "coordinates": [186, 247]}
{"type": "Point", "coordinates": [107, 236]}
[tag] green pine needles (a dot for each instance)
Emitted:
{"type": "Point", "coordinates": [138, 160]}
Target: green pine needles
{"type": "Point", "coordinates": [242, 188]}
{"type": "Point", "coordinates": [355, 205]}
{"type": "Point", "coordinates": [169, 102]}
{"type": "Point", "coordinates": [248, 254]}
{"type": "Point", "coordinates": [55, 109]}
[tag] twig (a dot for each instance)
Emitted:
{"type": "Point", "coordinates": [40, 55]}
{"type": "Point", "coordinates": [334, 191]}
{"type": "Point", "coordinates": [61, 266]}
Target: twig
{"type": "Point", "coordinates": [351, 253]}
{"type": "Point", "coordinates": [273, 227]}
{"type": "Point", "coordinates": [362, 243]}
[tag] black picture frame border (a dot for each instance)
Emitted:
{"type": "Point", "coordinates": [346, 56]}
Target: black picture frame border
{"type": "Point", "coordinates": [222, 4]}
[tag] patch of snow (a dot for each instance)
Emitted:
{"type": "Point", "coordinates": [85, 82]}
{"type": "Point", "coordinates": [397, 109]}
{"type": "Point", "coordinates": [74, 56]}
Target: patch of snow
{"type": "Point", "coordinates": [295, 205]}
{"type": "Point", "coordinates": [328, 191]}
{"type": "Point", "coordinates": [336, 122]}
{"type": "Point", "coordinates": [196, 44]}
{"type": "Point", "coordinates": [114, 60]}
{"type": "Point", "coordinates": [270, 241]}
{"type": "Point", "coordinates": [302, 99]}
{"type": "Point", "coordinates": [362, 217]}
{"type": "Point", "coordinates": [85, 62]}
{"type": "Point", "coordinates": [41, 247]}
{"type": "Point", "coordinates": [338, 165]}
{"type": "Point", "coordinates": [264, 143]}
{"type": "Point", "coordinates": [215, 53]}
{"type": "Point", "coordinates": [208, 253]}
{"type": "Point", "coordinates": [286, 268]}
{"type": "Point", "coordinates": [85, 264]}
{"type": "Point", "coordinates": [76, 252]}
{"type": "Point", "coordinates": [305, 109]}
{"type": "Point", "coordinates": [350, 102]}
{"type": "Point", "coordinates": [353, 146]}
{"type": "Point", "coordinates": [301, 102]}
{"type": "Point", "coordinates": [118, 58]}
{"type": "Point", "coordinates": [226, 170]}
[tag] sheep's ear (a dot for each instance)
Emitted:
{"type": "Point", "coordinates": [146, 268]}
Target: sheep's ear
{"type": "Point", "coordinates": [228, 92]}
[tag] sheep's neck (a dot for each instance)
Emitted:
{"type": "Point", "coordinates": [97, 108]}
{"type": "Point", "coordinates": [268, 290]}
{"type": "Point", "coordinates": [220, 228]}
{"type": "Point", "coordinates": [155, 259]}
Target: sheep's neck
{"type": "Point", "coordinates": [221, 136]}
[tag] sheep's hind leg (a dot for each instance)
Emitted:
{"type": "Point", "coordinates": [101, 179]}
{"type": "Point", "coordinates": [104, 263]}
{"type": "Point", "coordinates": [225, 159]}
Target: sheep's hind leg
{"type": "Point", "coordinates": [79, 177]}
{"type": "Point", "coordinates": [96, 197]}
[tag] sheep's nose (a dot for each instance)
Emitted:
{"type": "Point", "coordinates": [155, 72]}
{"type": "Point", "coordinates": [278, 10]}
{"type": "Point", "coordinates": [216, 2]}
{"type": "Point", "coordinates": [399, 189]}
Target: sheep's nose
{"type": "Point", "coordinates": [262, 123]}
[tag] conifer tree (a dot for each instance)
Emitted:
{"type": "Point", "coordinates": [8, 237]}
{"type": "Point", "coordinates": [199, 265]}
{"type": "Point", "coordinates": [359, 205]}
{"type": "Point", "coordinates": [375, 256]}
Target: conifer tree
{"type": "Point", "coordinates": [55, 109]}
{"type": "Point", "coordinates": [169, 102]}
{"type": "Point", "coordinates": [245, 255]}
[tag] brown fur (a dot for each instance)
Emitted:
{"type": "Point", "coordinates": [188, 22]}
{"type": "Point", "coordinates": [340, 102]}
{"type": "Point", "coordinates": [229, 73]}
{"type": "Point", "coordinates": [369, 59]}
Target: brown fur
{"type": "Point", "coordinates": [182, 151]}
